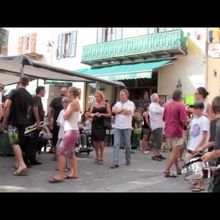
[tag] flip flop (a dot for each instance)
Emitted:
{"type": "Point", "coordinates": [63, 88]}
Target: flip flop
{"type": "Point", "coordinates": [20, 173]}
{"type": "Point", "coordinates": [53, 180]}
{"type": "Point", "coordinates": [168, 174]}
{"type": "Point", "coordinates": [71, 177]}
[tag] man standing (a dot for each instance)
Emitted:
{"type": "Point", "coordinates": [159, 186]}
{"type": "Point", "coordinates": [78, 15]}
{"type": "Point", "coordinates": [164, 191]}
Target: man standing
{"type": "Point", "coordinates": [53, 113]}
{"type": "Point", "coordinates": [175, 117]}
{"type": "Point", "coordinates": [123, 110]}
{"type": "Point", "coordinates": [156, 122]}
{"type": "Point", "coordinates": [19, 102]}
{"type": "Point", "coordinates": [36, 116]}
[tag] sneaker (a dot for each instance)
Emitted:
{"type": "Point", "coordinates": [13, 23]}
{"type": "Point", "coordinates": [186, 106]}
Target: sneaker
{"type": "Point", "coordinates": [162, 157]}
{"type": "Point", "coordinates": [156, 158]}
{"type": "Point", "coordinates": [128, 163]}
{"type": "Point", "coordinates": [114, 166]}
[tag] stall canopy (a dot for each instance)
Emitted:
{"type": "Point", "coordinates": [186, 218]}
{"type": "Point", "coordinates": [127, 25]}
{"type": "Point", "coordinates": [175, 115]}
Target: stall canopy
{"type": "Point", "coordinates": [12, 67]}
{"type": "Point", "coordinates": [126, 71]}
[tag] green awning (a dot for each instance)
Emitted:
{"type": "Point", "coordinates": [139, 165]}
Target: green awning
{"type": "Point", "coordinates": [125, 71]}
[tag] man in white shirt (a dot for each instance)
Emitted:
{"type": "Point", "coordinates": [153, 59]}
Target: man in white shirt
{"type": "Point", "coordinates": [156, 122]}
{"type": "Point", "coordinates": [124, 109]}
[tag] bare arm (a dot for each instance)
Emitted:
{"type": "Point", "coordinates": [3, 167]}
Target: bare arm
{"type": "Point", "coordinates": [74, 106]}
{"type": "Point", "coordinates": [204, 138]}
{"type": "Point", "coordinates": [146, 118]}
{"type": "Point", "coordinates": [50, 114]}
{"type": "Point", "coordinates": [6, 113]}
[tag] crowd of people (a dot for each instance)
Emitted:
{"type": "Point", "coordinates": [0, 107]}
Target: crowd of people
{"type": "Point", "coordinates": [189, 129]}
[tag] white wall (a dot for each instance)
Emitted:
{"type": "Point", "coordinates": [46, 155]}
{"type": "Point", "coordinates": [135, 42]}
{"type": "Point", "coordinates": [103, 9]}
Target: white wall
{"type": "Point", "coordinates": [190, 68]}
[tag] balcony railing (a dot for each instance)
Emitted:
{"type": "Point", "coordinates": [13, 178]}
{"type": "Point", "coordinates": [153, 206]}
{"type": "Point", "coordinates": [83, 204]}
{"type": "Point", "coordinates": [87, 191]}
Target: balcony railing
{"type": "Point", "coordinates": [170, 42]}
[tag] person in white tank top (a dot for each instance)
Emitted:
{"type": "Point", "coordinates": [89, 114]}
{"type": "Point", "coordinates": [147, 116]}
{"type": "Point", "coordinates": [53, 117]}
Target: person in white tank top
{"type": "Point", "coordinates": [71, 135]}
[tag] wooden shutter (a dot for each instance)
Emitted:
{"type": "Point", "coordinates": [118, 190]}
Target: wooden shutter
{"type": "Point", "coordinates": [60, 46]}
{"type": "Point", "coordinates": [32, 45]}
{"type": "Point", "coordinates": [20, 45]}
{"type": "Point", "coordinates": [72, 50]}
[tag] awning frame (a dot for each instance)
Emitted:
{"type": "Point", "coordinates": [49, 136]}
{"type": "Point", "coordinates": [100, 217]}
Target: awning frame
{"type": "Point", "coordinates": [24, 61]}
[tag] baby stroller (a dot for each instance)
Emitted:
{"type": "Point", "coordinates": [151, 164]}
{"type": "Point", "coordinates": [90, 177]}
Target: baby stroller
{"type": "Point", "coordinates": [84, 143]}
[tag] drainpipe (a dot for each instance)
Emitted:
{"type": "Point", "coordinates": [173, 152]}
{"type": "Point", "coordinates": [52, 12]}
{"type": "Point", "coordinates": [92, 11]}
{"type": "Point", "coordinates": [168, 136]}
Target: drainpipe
{"type": "Point", "coordinates": [22, 69]}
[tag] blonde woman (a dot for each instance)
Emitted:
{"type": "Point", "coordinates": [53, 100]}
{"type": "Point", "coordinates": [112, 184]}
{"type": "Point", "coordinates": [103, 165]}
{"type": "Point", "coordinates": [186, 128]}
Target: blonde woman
{"type": "Point", "coordinates": [99, 112]}
{"type": "Point", "coordinates": [71, 134]}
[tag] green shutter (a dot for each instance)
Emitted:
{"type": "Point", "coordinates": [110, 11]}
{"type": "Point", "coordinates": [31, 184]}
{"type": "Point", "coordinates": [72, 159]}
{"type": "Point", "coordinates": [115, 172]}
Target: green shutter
{"type": "Point", "coordinates": [118, 33]}
{"type": "Point", "coordinates": [60, 46]}
{"type": "Point", "coordinates": [72, 50]}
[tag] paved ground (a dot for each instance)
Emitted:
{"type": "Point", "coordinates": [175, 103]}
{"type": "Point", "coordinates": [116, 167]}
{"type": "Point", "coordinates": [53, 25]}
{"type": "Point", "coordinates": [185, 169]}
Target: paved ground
{"type": "Point", "coordinates": [144, 175]}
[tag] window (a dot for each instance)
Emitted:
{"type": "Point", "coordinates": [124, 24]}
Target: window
{"type": "Point", "coordinates": [215, 73]}
{"type": "Point", "coordinates": [108, 34]}
{"type": "Point", "coordinates": [66, 46]}
{"type": "Point", "coordinates": [27, 44]}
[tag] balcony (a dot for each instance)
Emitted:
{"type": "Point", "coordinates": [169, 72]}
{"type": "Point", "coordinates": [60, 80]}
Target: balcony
{"type": "Point", "coordinates": [147, 47]}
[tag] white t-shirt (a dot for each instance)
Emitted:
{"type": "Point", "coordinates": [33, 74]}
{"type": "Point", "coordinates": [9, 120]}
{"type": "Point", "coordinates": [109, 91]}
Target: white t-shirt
{"type": "Point", "coordinates": [197, 126]}
{"type": "Point", "coordinates": [156, 115]}
{"type": "Point", "coordinates": [60, 120]}
{"type": "Point", "coordinates": [124, 121]}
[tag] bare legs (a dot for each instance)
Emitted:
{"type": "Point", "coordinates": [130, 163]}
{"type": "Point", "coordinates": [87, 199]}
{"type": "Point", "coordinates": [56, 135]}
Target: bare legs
{"type": "Point", "coordinates": [19, 158]}
{"type": "Point", "coordinates": [99, 151]}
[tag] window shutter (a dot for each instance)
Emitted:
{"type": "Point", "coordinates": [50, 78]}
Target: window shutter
{"type": "Point", "coordinates": [60, 46]}
{"type": "Point", "coordinates": [32, 46]}
{"type": "Point", "coordinates": [20, 45]}
{"type": "Point", "coordinates": [99, 35]}
{"type": "Point", "coordinates": [72, 50]}
{"type": "Point", "coordinates": [118, 33]}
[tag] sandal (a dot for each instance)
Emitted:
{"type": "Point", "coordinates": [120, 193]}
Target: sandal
{"type": "Point", "coordinates": [20, 173]}
{"type": "Point", "coordinates": [100, 162]}
{"type": "Point", "coordinates": [179, 172]}
{"type": "Point", "coordinates": [71, 177]}
{"type": "Point", "coordinates": [96, 160]}
{"type": "Point", "coordinates": [168, 174]}
{"type": "Point", "coordinates": [54, 180]}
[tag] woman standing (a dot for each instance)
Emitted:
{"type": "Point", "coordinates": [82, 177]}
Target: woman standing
{"type": "Point", "coordinates": [71, 135]}
{"type": "Point", "coordinates": [99, 112]}
{"type": "Point", "coordinates": [145, 131]}
{"type": "Point", "coordinates": [200, 96]}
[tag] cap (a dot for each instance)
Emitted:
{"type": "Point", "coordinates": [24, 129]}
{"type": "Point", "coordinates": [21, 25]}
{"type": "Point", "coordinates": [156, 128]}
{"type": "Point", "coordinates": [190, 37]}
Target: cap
{"type": "Point", "coordinates": [198, 105]}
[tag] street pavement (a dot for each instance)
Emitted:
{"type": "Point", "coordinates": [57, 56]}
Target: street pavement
{"type": "Point", "coordinates": [143, 175]}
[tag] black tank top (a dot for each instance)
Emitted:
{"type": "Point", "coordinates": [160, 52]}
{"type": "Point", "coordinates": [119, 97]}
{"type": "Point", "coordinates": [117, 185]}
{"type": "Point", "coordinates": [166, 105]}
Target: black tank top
{"type": "Point", "coordinates": [146, 125]}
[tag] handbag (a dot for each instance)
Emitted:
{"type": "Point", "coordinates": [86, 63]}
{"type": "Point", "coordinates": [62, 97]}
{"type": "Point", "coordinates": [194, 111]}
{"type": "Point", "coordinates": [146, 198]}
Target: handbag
{"type": "Point", "coordinates": [107, 121]}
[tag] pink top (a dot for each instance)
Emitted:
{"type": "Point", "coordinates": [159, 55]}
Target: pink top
{"type": "Point", "coordinates": [174, 114]}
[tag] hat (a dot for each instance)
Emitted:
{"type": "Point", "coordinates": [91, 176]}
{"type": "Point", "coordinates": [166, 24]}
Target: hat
{"type": "Point", "coordinates": [198, 105]}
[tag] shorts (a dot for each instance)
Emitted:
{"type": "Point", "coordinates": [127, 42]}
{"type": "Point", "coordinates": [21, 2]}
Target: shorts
{"type": "Point", "coordinates": [147, 132]}
{"type": "Point", "coordinates": [16, 135]}
{"type": "Point", "coordinates": [157, 138]}
{"type": "Point", "coordinates": [68, 143]}
{"type": "Point", "coordinates": [175, 142]}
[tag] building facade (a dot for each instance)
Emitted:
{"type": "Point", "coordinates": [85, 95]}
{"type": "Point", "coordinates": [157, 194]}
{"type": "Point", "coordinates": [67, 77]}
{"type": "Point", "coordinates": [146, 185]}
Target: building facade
{"type": "Point", "coordinates": [146, 60]}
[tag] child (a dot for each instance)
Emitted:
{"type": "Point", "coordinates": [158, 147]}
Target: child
{"type": "Point", "coordinates": [60, 123]}
{"type": "Point", "coordinates": [85, 127]}
{"type": "Point", "coordinates": [198, 132]}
